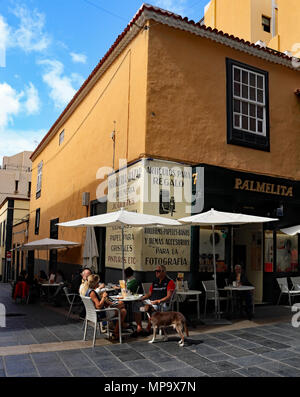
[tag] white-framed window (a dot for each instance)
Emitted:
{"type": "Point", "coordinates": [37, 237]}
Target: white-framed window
{"type": "Point", "coordinates": [249, 101]}
{"type": "Point", "coordinates": [248, 116]}
{"type": "Point", "coordinates": [61, 137]}
{"type": "Point", "coordinates": [39, 179]}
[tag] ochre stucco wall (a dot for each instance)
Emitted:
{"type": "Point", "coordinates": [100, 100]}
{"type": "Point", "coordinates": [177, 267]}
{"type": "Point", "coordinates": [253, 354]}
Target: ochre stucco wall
{"type": "Point", "coordinates": [70, 169]}
{"type": "Point", "coordinates": [187, 93]}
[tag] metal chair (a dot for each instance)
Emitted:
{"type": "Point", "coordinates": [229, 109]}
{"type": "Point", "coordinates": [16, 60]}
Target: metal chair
{"type": "Point", "coordinates": [209, 288]}
{"type": "Point", "coordinates": [91, 316]}
{"type": "Point", "coordinates": [71, 298]}
{"type": "Point", "coordinates": [284, 289]}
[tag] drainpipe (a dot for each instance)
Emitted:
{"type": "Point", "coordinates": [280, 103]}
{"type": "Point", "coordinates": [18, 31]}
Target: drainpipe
{"type": "Point", "coordinates": [274, 7]}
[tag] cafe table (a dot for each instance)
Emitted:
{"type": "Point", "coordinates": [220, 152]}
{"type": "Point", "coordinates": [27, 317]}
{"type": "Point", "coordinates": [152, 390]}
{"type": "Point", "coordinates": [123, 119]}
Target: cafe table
{"type": "Point", "coordinates": [231, 289]}
{"type": "Point", "coordinates": [50, 285]}
{"type": "Point", "coordinates": [128, 299]}
{"type": "Point", "coordinates": [187, 293]}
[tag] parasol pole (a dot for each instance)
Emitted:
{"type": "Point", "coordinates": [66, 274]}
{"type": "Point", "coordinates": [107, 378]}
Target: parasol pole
{"type": "Point", "coordinates": [123, 256]}
{"type": "Point", "coordinates": [215, 273]}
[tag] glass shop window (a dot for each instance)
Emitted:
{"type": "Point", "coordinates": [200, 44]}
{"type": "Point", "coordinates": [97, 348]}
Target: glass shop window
{"type": "Point", "coordinates": [206, 263]}
{"type": "Point", "coordinates": [269, 251]}
{"type": "Point", "coordinates": [287, 253]}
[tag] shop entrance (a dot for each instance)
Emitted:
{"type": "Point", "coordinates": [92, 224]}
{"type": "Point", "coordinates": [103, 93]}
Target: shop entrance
{"type": "Point", "coordinates": [247, 252]}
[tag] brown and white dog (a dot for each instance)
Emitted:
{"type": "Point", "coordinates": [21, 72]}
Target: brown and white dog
{"type": "Point", "coordinates": [165, 319]}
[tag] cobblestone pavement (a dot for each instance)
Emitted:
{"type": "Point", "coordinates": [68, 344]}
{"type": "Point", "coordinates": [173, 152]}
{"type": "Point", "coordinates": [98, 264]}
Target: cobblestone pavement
{"type": "Point", "coordinates": [255, 351]}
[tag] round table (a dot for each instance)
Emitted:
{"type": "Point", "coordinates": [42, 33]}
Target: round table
{"type": "Point", "coordinates": [231, 289]}
{"type": "Point", "coordinates": [189, 293]}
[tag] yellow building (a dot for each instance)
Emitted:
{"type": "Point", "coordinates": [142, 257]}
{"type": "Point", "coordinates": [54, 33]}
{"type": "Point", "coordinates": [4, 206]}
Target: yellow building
{"type": "Point", "coordinates": [174, 92]}
{"type": "Point", "coordinates": [274, 22]}
{"type": "Point", "coordinates": [12, 211]}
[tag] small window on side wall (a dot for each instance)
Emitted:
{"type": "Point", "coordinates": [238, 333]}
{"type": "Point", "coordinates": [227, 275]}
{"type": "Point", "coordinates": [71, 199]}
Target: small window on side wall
{"type": "Point", "coordinates": [37, 221]}
{"type": "Point", "coordinates": [61, 137]}
{"type": "Point", "coordinates": [266, 23]}
{"type": "Point", "coordinates": [247, 106]}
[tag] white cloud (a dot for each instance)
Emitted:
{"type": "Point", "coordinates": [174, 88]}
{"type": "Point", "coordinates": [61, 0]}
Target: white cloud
{"type": "Point", "coordinates": [4, 38]}
{"type": "Point", "coordinates": [78, 58]}
{"type": "Point", "coordinates": [177, 6]}
{"type": "Point", "coordinates": [10, 104]}
{"type": "Point", "coordinates": [30, 35]}
{"type": "Point", "coordinates": [15, 141]}
{"type": "Point", "coordinates": [32, 104]}
{"type": "Point", "coordinates": [61, 86]}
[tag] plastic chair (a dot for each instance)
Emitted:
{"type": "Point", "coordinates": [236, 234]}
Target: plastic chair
{"type": "Point", "coordinates": [209, 288]}
{"type": "Point", "coordinates": [296, 283]}
{"type": "Point", "coordinates": [91, 315]}
{"type": "Point", "coordinates": [71, 298]}
{"type": "Point", "coordinates": [284, 289]}
{"type": "Point", "coordinates": [21, 291]}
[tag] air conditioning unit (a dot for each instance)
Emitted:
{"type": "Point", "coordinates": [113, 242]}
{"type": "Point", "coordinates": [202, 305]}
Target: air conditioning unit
{"type": "Point", "coordinates": [262, 44]}
{"type": "Point", "coordinates": [85, 199]}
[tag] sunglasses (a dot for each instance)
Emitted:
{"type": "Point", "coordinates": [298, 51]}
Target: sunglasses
{"type": "Point", "coordinates": [157, 271]}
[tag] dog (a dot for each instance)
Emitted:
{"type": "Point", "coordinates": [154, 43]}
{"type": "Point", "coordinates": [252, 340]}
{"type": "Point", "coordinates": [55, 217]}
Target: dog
{"type": "Point", "coordinates": [164, 319]}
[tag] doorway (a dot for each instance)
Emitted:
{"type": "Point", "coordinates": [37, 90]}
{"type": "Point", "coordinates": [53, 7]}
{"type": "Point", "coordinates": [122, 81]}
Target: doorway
{"type": "Point", "coordinates": [247, 251]}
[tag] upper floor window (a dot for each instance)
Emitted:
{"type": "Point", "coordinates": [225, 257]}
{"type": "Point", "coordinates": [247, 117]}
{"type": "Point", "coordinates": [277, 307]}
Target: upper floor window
{"type": "Point", "coordinates": [39, 180]}
{"type": "Point", "coordinates": [266, 23]}
{"type": "Point", "coordinates": [37, 221]}
{"type": "Point", "coordinates": [247, 106]}
{"type": "Point", "coordinates": [61, 137]}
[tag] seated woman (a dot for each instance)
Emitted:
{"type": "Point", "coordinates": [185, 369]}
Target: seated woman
{"type": "Point", "coordinates": [59, 277]}
{"type": "Point", "coordinates": [103, 302]}
{"type": "Point", "coordinates": [132, 284]}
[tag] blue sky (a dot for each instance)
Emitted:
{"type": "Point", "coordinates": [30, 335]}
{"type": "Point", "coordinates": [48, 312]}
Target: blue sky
{"type": "Point", "coordinates": [48, 48]}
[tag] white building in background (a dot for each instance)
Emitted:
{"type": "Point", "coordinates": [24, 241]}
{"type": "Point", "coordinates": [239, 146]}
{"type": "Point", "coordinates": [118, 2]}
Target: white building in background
{"type": "Point", "coordinates": [15, 176]}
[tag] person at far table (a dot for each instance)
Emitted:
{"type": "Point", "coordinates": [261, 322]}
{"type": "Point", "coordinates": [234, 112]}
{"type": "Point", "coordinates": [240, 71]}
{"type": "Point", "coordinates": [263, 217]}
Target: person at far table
{"type": "Point", "coordinates": [42, 278]}
{"type": "Point", "coordinates": [102, 302]}
{"type": "Point", "coordinates": [160, 292]}
{"type": "Point", "coordinates": [132, 284]}
{"type": "Point", "coordinates": [241, 279]}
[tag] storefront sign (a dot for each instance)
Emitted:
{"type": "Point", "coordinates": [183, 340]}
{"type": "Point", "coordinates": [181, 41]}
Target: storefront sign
{"type": "Point", "coordinates": [153, 187]}
{"type": "Point", "coordinates": [263, 187]}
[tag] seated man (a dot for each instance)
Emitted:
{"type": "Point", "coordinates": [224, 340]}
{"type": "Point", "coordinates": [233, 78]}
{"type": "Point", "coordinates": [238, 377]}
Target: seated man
{"type": "Point", "coordinates": [247, 296]}
{"type": "Point", "coordinates": [159, 294]}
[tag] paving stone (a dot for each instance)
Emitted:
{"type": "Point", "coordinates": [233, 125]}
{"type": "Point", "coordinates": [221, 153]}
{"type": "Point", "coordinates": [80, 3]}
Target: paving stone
{"type": "Point", "coordinates": [128, 355]}
{"type": "Point", "coordinates": [121, 373]}
{"type": "Point", "coordinates": [205, 350]}
{"type": "Point", "coordinates": [193, 358]}
{"type": "Point", "coordinates": [245, 344]}
{"type": "Point", "coordinates": [182, 373]}
{"type": "Point", "coordinates": [279, 338]}
{"type": "Point", "coordinates": [218, 357]}
{"type": "Point", "coordinates": [249, 361]}
{"type": "Point", "coordinates": [118, 347]}
{"type": "Point", "coordinates": [213, 368]}
{"type": "Point", "coordinates": [108, 365]}
{"type": "Point", "coordinates": [171, 364]}
{"type": "Point", "coordinates": [224, 336]}
{"type": "Point", "coordinates": [280, 354]}
{"type": "Point", "coordinates": [143, 366]}
{"type": "Point", "coordinates": [45, 358]}
{"type": "Point", "coordinates": [19, 367]}
{"type": "Point", "coordinates": [281, 369]}
{"type": "Point", "coordinates": [255, 372]}
{"type": "Point", "coordinates": [294, 362]}
{"type": "Point", "coordinates": [213, 342]}
{"type": "Point", "coordinates": [235, 351]}
{"type": "Point", "coordinates": [261, 350]}
{"type": "Point", "coordinates": [87, 372]}
{"type": "Point", "coordinates": [98, 351]}
{"type": "Point", "coordinates": [57, 370]}
{"type": "Point", "coordinates": [74, 359]}
{"type": "Point", "coordinates": [227, 374]}
{"type": "Point", "coordinates": [144, 346]}
{"type": "Point", "coordinates": [275, 345]}
{"type": "Point", "coordinates": [157, 356]}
